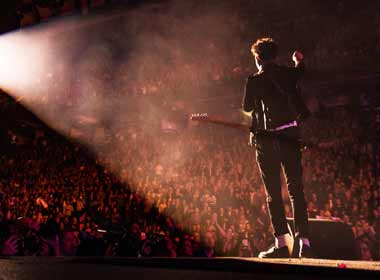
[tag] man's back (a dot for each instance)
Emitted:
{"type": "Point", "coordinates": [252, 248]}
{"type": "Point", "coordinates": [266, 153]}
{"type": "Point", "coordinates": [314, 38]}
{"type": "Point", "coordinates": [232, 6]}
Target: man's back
{"type": "Point", "coordinates": [272, 95]}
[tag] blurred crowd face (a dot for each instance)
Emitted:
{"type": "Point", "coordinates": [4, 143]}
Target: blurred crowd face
{"type": "Point", "coordinates": [365, 252]}
{"type": "Point", "coordinates": [209, 240]}
{"type": "Point", "coordinates": [230, 234]}
{"type": "Point", "coordinates": [70, 243]}
{"type": "Point", "coordinates": [197, 237]}
{"type": "Point", "coordinates": [188, 248]}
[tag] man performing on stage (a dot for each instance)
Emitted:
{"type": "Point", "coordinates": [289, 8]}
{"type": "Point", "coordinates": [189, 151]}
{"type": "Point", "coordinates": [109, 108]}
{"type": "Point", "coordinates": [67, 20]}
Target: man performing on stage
{"type": "Point", "coordinates": [272, 96]}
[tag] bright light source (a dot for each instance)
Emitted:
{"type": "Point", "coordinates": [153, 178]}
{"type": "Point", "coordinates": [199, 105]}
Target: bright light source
{"type": "Point", "coordinates": [22, 62]}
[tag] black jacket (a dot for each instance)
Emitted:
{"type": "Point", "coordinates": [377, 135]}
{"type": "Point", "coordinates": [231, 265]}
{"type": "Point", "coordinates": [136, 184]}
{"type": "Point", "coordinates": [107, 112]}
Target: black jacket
{"type": "Point", "coordinates": [273, 97]}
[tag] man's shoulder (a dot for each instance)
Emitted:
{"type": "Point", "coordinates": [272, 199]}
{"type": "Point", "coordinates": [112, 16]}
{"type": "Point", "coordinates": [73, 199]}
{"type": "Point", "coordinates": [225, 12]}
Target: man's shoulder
{"type": "Point", "coordinates": [280, 68]}
{"type": "Point", "coordinates": [289, 69]}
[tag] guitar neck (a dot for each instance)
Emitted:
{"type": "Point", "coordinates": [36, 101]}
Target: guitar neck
{"type": "Point", "coordinates": [240, 126]}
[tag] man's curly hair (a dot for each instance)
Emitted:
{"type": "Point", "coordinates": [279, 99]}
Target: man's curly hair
{"type": "Point", "coordinates": [265, 49]}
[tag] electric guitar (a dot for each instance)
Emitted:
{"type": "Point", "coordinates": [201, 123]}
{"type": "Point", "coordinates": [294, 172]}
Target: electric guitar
{"type": "Point", "coordinates": [204, 117]}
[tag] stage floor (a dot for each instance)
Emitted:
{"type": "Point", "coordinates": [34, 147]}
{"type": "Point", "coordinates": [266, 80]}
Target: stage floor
{"type": "Point", "coordinates": [107, 268]}
{"type": "Point", "coordinates": [362, 265]}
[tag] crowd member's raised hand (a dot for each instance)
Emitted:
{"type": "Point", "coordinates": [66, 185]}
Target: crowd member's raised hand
{"type": "Point", "coordinates": [10, 247]}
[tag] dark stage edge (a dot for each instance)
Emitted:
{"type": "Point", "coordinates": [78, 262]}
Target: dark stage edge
{"type": "Point", "coordinates": [42, 268]}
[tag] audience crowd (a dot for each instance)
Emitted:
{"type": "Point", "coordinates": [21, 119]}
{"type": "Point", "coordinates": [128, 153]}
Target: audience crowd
{"type": "Point", "coordinates": [193, 193]}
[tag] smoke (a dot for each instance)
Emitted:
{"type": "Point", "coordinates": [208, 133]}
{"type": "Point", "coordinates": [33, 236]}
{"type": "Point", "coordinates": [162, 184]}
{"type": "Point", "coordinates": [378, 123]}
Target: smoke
{"type": "Point", "coordinates": [114, 81]}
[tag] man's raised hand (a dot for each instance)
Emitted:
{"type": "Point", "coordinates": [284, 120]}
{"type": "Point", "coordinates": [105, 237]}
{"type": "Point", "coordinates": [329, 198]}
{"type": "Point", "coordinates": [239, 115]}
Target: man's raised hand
{"type": "Point", "coordinates": [297, 57]}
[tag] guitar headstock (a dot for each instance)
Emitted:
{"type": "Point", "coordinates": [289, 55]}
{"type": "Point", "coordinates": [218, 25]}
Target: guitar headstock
{"type": "Point", "coordinates": [199, 117]}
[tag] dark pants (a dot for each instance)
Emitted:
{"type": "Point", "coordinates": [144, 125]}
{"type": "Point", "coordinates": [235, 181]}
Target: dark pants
{"type": "Point", "coordinates": [273, 151]}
